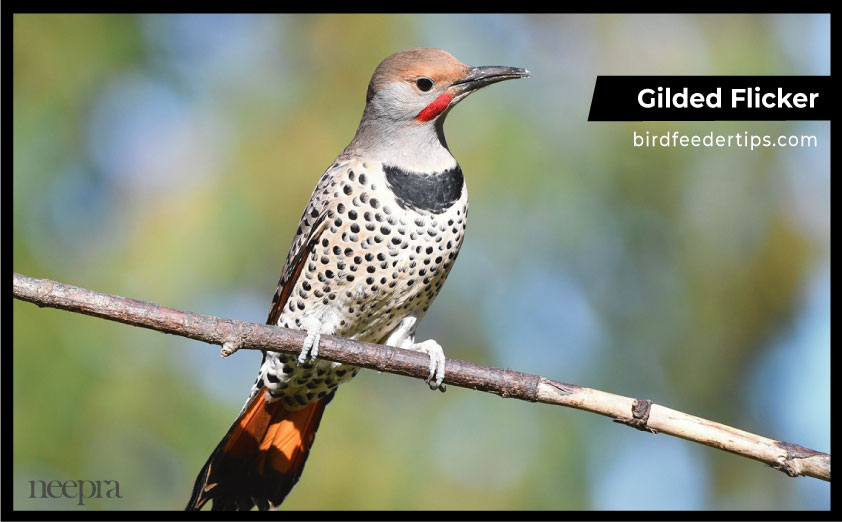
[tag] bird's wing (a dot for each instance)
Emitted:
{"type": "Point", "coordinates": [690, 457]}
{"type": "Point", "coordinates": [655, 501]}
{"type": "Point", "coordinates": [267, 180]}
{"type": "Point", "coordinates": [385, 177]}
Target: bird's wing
{"type": "Point", "coordinates": [301, 249]}
{"type": "Point", "coordinates": [310, 228]}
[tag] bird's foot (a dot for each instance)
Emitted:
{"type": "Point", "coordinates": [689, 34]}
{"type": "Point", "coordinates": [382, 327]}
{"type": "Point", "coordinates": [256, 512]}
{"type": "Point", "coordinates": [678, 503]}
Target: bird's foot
{"type": "Point", "coordinates": [310, 348]}
{"type": "Point", "coordinates": [404, 337]}
{"type": "Point", "coordinates": [436, 353]}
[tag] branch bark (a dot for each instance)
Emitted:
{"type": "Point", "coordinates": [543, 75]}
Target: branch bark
{"type": "Point", "coordinates": [792, 459]}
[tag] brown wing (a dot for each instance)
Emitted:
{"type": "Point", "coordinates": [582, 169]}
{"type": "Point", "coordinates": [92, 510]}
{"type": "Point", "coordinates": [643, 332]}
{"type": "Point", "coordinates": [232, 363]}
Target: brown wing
{"type": "Point", "coordinates": [302, 248]}
{"type": "Point", "coordinates": [311, 226]}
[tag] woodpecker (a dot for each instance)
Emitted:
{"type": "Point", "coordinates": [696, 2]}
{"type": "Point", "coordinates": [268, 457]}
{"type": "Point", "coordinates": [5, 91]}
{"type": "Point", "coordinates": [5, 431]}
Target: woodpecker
{"type": "Point", "coordinates": [373, 248]}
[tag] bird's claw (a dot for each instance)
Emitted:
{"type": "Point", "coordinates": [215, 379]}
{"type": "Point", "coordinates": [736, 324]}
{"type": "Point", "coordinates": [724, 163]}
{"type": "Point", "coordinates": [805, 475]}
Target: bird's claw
{"type": "Point", "coordinates": [436, 353]}
{"type": "Point", "coordinates": [310, 349]}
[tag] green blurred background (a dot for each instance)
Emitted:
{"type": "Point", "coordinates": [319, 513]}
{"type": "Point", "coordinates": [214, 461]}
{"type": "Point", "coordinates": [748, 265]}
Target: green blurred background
{"type": "Point", "coordinates": [168, 158]}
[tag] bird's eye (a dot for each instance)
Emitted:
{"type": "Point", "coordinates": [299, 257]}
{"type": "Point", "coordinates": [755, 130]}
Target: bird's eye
{"type": "Point", "coordinates": [425, 84]}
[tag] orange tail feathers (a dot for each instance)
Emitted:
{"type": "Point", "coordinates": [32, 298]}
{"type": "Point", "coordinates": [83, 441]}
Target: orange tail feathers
{"type": "Point", "coordinates": [260, 458]}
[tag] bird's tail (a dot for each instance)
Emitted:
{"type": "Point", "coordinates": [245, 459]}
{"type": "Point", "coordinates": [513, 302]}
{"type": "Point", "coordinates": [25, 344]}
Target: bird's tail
{"type": "Point", "coordinates": [260, 458]}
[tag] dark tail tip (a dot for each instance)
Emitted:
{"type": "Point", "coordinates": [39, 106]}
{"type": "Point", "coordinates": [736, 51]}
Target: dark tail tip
{"type": "Point", "coordinates": [254, 465]}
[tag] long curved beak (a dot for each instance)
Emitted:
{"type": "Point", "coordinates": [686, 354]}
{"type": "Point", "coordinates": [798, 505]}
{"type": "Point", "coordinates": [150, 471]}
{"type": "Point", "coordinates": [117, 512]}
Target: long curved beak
{"type": "Point", "coordinates": [483, 75]}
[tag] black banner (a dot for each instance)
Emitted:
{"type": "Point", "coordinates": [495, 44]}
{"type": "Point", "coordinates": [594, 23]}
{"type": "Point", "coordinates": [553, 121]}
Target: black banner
{"type": "Point", "coordinates": [710, 98]}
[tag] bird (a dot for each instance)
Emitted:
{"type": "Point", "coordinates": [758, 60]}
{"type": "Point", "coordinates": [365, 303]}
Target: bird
{"type": "Point", "coordinates": [372, 250]}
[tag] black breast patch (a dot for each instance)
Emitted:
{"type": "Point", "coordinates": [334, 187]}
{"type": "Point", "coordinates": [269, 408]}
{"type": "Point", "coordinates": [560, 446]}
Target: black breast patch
{"type": "Point", "coordinates": [432, 192]}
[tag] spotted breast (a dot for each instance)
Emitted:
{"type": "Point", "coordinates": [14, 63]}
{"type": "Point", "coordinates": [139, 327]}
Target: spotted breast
{"type": "Point", "coordinates": [381, 244]}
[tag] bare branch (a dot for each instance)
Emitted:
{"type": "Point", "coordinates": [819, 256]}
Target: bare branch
{"type": "Point", "coordinates": [792, 459]}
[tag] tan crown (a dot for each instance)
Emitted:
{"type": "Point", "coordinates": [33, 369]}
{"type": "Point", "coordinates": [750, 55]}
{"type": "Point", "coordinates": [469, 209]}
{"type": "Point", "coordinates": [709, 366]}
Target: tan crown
{"type": "Point", "coordinates": [411, 64]}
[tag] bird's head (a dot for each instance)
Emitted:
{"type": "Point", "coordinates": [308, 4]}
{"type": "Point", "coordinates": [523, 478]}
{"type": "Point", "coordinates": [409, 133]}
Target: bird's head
{"type": "Point", "coordinates": [421, 85]}
{"type": "Point", "coordinates": [408, 98]}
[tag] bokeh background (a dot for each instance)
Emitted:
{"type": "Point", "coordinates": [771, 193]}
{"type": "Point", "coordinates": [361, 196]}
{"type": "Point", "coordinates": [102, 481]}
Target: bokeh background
{"type": "Point", "coordinates": [169, 157]}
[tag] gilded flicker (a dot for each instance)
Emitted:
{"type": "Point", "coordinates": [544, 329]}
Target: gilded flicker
{"type": "Point", "coordinates": [373, 248]}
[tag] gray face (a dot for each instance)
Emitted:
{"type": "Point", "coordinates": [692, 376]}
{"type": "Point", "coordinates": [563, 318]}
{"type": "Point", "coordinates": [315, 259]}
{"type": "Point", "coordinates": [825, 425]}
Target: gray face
{"type": "Point", "coordinates": [402, 101]}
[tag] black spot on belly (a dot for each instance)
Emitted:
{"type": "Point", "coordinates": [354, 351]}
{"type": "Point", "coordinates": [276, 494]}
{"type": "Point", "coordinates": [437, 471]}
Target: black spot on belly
{"type": "Point", "coordinates": [432, 192]}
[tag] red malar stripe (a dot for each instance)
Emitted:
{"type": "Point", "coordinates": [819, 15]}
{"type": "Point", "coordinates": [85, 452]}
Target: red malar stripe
{"type": "Point", "coordinates": [435, 108]}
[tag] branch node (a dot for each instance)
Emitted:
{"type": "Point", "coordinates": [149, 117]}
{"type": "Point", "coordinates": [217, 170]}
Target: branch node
{"type": "Point", "coordinates": [790, 463]}
{"type": "Point", "coordinates": [640, 416]}
{"type": "Point", "coordinates": [787, 466]}
{"type": "Point", "coordinates": [229, 347]}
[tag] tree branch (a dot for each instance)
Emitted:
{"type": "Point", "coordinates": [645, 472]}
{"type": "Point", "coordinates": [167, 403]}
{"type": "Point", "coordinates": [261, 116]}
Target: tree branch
{"type": "Point", "coordinates": [792, 459]}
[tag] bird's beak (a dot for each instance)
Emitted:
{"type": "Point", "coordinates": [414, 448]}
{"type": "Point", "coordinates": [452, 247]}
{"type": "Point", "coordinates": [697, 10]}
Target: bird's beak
{"type": "Point", "coordinates": [481, 76]}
